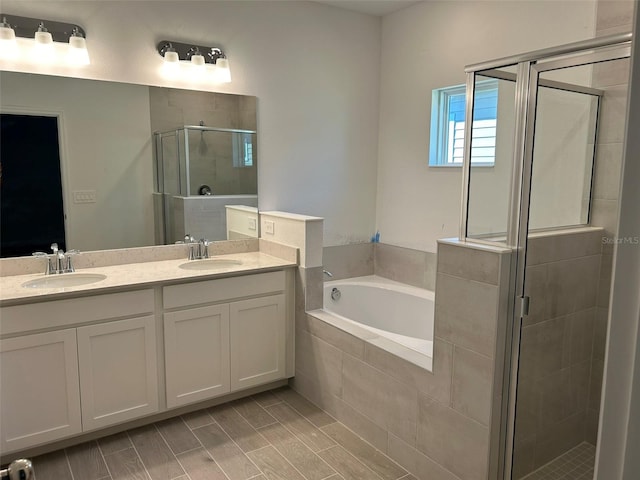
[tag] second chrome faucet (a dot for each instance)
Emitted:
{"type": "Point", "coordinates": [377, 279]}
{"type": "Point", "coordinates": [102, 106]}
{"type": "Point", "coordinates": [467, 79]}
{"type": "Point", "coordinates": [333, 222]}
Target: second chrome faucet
{"type": "Point", "coordinates": [198, 250]}
{"type": "Point", "coordinates": [58, 261]}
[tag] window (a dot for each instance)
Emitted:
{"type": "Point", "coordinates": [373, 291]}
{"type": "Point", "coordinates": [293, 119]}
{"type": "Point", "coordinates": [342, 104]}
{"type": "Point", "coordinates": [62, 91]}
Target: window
{"type": "Point", "coordinates": [447, 125]}
{"type": "Point", "coordinates": [242, 150]}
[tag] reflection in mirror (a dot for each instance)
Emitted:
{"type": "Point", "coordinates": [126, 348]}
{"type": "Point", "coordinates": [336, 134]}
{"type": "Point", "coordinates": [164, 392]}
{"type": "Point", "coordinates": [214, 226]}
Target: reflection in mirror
{"type": "Point", "coordinates": [105, 158]}
{"type": "Point", "coordinates": [200, 171]}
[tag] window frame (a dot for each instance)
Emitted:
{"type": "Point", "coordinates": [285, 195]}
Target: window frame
{"type": "Point", "coordinates": [439, 132]}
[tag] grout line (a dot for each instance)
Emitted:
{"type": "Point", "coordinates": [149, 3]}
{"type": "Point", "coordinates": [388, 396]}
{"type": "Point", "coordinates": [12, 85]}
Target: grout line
{"type": "Point", "coordinates": [138, 455]}
{"type": "Point", "coordinates": [66, 457]}
{"type": "Point", "coordinates": [207, 452]}
{"type": "Point", "coordinates": [170, 449]}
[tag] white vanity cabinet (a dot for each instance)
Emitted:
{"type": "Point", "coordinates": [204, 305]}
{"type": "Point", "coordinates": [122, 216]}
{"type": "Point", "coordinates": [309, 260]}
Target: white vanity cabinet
{"type": "Point", "coordinates": [118, 371]}
{"type": "Point", "coordinates": [196, 354]}
{"type": "Point", "coordinates": [257, 341]}
{"type": "Point", "coordinates": [80, 364]}
{"type": "Point", "coordinates": [39, 389]}
{"type": "Point", "coordinates": [85, 372]}
{"type": "Point", "coordinates": [236, 343]}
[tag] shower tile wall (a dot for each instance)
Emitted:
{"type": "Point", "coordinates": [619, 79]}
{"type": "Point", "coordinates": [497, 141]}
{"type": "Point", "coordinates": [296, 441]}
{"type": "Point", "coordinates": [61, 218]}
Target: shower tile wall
{"type": "Point", "coordinates": [562, 278]}
{"type": "Point", "coordinates": [435, 424]}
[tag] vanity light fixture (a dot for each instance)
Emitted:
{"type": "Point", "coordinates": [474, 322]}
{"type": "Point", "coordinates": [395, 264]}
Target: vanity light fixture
{"type": "Point", "coordinates": [46, 38]}
{"type": "Point", "coordinates": [196, 60]}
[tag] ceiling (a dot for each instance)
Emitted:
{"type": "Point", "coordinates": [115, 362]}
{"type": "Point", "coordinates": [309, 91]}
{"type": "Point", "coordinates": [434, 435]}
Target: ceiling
{"type": "Point", "coordinates": [372, 7]}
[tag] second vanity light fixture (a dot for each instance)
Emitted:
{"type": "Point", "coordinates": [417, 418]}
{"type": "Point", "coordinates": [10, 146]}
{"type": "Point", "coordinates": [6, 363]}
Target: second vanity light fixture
{"type": "Point", "coordinates": [41, 37]}
{"type": "Point", "coordinates": [194, 61]}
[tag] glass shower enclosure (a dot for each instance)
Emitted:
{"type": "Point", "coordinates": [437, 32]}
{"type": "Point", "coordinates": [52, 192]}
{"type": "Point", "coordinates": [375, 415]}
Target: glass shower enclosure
{"type": "Point", "coordinates": [542, 198]}
{"type": "Point", "coordinates": [200, 172]}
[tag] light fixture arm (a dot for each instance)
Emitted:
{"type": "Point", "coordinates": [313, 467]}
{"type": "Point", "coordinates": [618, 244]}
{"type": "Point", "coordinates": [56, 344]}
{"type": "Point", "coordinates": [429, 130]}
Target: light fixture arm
{"type": "Point", "coordinates": [186, 50]}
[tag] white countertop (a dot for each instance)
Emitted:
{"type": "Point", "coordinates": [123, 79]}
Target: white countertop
{"type": "Point", "coordinates": [135, 275]}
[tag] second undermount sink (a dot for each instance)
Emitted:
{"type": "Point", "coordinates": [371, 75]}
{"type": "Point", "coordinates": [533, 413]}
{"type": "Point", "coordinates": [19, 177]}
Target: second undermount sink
{"type": "Point", "coordinates": [210, 264]}
{"type": "Point", "coordinates": [65, 280]}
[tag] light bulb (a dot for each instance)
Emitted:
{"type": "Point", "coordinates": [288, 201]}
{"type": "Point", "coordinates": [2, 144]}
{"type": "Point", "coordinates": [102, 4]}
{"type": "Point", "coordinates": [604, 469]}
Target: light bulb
{"type": "Point", "coordinates": [78, 53]}
{"type": "Point", "coordinates": [43, 49]}
{"type": "Point", "coordinates": [222, 74]}
{"type": "Point", "coordinates": [171, 64]}
{"type": "Point", "coordinates": [8, 45]}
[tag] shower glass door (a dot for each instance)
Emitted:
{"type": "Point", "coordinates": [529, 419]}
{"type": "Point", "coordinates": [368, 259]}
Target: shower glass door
{"type": "Point", "coordinates": [548, 194]}
{"type": "Point", "coordinates": [562, 336]}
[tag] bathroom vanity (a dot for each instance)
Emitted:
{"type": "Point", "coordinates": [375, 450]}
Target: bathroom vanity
{"type": "Point", "coordinates": [148, 338]}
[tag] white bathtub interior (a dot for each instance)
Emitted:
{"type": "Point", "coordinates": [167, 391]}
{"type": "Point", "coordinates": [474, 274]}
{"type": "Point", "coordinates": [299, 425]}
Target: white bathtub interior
{"type": "Point", "coordinates": [391, 315]}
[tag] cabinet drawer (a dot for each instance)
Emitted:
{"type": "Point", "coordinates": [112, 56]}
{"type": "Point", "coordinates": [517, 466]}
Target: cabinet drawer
{"type": "Point", "coordinates": [59, 313]}
{"type": "Point", "coordinates": [222, 289]}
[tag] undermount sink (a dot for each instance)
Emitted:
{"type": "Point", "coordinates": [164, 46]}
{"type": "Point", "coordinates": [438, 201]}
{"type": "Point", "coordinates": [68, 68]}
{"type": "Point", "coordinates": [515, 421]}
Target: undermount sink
{"type": "Point", "coordinates": [210, 264]}
{"type": "Point", "coordinates": [64, 280]}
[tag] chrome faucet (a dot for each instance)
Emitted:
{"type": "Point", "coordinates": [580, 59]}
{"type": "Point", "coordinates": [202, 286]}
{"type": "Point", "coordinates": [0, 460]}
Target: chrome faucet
{"type": "Point", "coordinates": [198, 250]}
{"type": "Point", "coordinates": [58, 262]}
{"type": "Point", "coordinates": [327, 273]}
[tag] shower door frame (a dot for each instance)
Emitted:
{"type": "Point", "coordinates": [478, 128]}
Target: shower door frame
{"type": "Point", "coordinates": [529, 68]}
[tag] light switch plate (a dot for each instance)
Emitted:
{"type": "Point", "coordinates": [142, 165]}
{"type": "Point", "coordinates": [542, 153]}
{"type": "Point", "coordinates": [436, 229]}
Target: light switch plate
{"type": "Point", "coordinates": [84, 196]}
{"type": "Point", "coordinates": [269, 227]}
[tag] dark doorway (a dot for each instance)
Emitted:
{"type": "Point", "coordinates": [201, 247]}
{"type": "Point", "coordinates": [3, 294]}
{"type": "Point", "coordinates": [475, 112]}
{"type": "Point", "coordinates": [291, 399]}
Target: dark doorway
{"type": "Point", "coordinates": [31, 208]}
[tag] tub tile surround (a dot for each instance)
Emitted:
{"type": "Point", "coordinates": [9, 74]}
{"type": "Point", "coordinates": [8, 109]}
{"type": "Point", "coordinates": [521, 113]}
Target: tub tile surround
{"type": "Point", "coordinates": [402, 409]}
{"type": "Point", "coordinates": [413, 267]}
{"type": "Point", "coordinates": [405, 265]}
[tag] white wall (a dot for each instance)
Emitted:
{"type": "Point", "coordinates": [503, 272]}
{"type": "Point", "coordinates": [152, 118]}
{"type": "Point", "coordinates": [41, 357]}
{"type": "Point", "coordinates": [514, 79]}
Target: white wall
{"type": "Point", "coordinates": [314, 69]}
{"type": "Point", "coordinates": [426, 46]}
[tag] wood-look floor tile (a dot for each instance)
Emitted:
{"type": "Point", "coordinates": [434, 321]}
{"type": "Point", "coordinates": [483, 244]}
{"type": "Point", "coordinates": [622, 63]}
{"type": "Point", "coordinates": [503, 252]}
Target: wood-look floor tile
{"type": "Point", "coordinates": [154, 452]}
{"type": "Point", "coordinates": [306, 431]}
{"type": "Point", "coordinates": [182, 477]}
{"type": "Point", "coordinates": [273, 465]}
{"type": "Point", "coordinates": [52, 466]}
{"type": "Point", "coordinates": [197, 419]}
{"type": "Point", "coordinates": [258, 477]}
{"type": "Point", "coordinates": [371, 457]}
{"type": "Point", "coordinates": [234, 463]}
{"type": "Point", "coordinates": [86, 461]}
{"type": "Point", "coordinates": [334, 477]}
{"type": "Point", "coordinates": [125, 465]}
{"type": "Point", "coordinates": [346, 464]}
{"type": "Point", "coordinates": [247, 438]}
{"type": "Point", "coordinates": [253, 413]}
{"type": "Point", "coordinates": [266, 399]}
{"type": "Point", "coordinates": [177, 435]}
{"type": "Point", "coordinates": [200, 466]}
{"type": "Point", "coordinates": [305, 408]}
{"type": "Point", "coordinates": [409, 477]}
{"type": "Point", "coordinates": [296, 452]}
{"type": "Point", "coordinates": [114, 443]}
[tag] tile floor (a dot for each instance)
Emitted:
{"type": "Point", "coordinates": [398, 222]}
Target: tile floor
{"type": "Point", "coordinates": [576, 464]}
{"type": "Point", "coordinates": [269, 436]}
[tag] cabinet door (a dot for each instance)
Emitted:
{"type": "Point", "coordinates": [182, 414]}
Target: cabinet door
{"type": "Point", "coordinates": [39, 390]}
{"type": "Point", "coordinates": [257, 341]}
{"type": "Point", "coordinates": [118, 373]}
{"type": "Point", "coordinates": [196, 343]}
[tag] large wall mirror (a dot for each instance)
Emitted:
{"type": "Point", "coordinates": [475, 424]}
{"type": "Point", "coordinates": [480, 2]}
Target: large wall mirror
{"type": "Point", "coordinates": [96, 165]}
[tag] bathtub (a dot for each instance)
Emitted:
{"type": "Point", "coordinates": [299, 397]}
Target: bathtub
{"type": "Point", "coordinates": [392, 315]}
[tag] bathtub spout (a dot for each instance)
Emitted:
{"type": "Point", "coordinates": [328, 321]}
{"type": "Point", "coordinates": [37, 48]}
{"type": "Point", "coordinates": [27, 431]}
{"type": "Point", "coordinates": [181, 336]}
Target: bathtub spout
{"type": "Point", "coordinates": [327, 273]}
